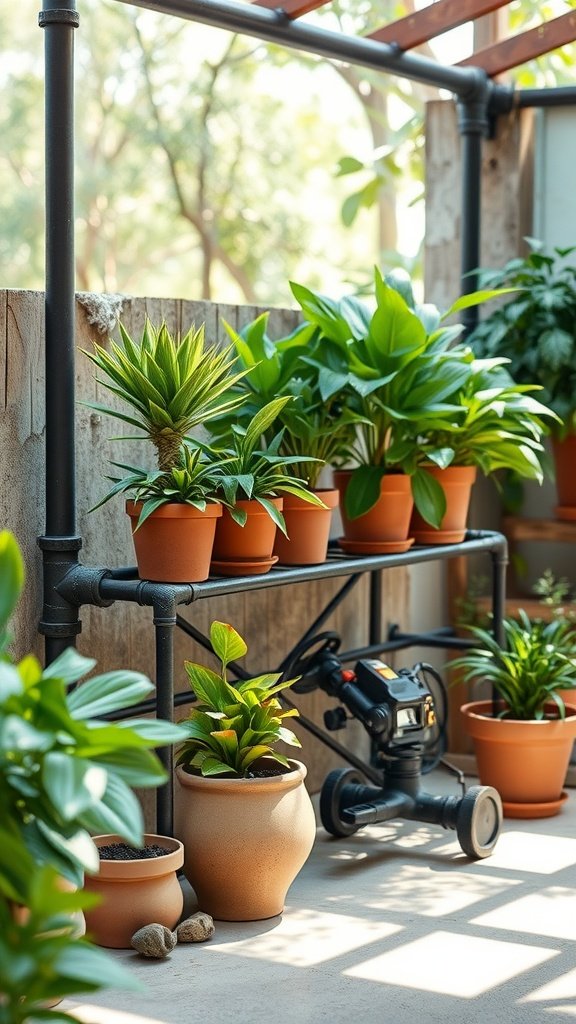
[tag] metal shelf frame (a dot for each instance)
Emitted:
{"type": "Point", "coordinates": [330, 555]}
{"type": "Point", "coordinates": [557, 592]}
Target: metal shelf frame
{"type": "Point", "coordinates": [98, 586]}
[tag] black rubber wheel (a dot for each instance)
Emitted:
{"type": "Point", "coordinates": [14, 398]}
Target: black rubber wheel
{"type": "Point", "coordinates": [330, 800]}
{"type": "Point", "coordinates": [479, 821]}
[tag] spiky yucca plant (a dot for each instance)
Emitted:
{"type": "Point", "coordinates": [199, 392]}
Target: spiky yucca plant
{"type": "Point", "coordinates": [173, 383]}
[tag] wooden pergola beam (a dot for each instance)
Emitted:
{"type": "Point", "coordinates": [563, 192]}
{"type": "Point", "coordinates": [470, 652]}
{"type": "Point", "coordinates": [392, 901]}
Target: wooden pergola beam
{"type": "Point", "coordinates": [293, 8]}
{"type": "Point", "coordinates": [418, 28]}
{"type": "Point", "coordinates": [519, 49]}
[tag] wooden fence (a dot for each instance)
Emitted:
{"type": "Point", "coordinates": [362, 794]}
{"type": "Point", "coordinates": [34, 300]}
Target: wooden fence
{"type": "Point", "coordinates": [272, 620]}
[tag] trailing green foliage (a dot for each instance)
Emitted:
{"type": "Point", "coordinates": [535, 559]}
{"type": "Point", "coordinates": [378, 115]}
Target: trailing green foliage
{"type": "Point", "coordinates": [536, 329]}
{"type": "Point", "coordinates": [172, 383]}
{"type": "Point", "coordinates": [538, 659]}
{"type": "Point", "coordinates": [234, 725]}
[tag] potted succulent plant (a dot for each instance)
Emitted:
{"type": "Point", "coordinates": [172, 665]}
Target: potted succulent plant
{"type": "Point", "coordinates": [254, 482]}
{"type": "Point", "coordinates": [536, 330]}
{"type": "Point", "coordinates": [242, 812]}
{"type": "Point", "coordinates": [64, 773]}
{"type": "Point", "coordinates": [173, 514]}
{"type": "Point", "coordinates": [524, 736]}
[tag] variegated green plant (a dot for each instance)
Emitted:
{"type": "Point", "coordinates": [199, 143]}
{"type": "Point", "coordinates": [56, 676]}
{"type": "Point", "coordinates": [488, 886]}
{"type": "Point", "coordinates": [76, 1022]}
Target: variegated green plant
{"type": "Point", "coordinates": [172, 383]}
{"type": "Point", "coordinates": [235, 724]}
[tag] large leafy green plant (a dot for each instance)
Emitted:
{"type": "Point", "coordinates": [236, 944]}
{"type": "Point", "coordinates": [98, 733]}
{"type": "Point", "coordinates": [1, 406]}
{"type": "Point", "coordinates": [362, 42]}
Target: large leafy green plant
{"type": "Point", "coordinates": [64, 773]}
{"type": "Point", "coordinates": [501, 426]}
{"type": "Point", "coordinates": [537, 660]}
{"type": "Point", "coordinates": [42, 960]}
{"type": "Point", "coordinates": [171, 383]}
{"type": "Point", "coordinates": [235, 724]}
{"type": "Point", "coordinates": [312, 426]}
{"type": "Point", "coordinates": [536, 329]}
{"type": "Point", "coordinates": [400, 371]}
{"type": "Point", "coordinates": [254, 471]}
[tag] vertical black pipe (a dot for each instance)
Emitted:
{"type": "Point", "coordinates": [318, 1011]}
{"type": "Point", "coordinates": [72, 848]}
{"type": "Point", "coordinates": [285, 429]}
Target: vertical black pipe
{"type": "Point", "coordinates": [375, 625]}
{"type": "Point", "coordinates": [60, 544]}
{"type": "Point", "coordinates": [473, 125]}
{"type": "Point", "coordinates": [164, 623]}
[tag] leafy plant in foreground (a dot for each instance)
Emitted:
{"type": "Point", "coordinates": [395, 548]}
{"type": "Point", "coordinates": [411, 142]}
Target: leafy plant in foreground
{"type": "Point", "coordinates": [234, 725]}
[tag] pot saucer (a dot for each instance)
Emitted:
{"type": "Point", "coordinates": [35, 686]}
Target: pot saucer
{"type": "Point", "coordinates": [243, 567]}
{"type": "Point", "coordinates": [565, 512]}
{"type": "Point", "coordinates": [439, 536]}
{"type": "Point", "coordinates": [375, 547]}
{"type": "Point", "coordinates": [528, 810]}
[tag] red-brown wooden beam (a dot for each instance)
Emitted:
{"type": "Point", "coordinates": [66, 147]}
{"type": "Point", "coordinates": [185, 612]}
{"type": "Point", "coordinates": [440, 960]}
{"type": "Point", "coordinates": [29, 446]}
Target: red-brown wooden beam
{"type": "Point", "coordinates": [293, 8]}
{"type": "Point", "coordinates": [517, 50]}
{"type": "Point", "coordinates": [418, 28]}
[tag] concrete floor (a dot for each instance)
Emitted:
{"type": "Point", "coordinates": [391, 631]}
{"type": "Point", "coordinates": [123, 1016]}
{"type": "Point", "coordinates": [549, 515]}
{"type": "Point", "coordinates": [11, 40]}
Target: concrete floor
{"type": "Point", "coordinates": [394, 925]}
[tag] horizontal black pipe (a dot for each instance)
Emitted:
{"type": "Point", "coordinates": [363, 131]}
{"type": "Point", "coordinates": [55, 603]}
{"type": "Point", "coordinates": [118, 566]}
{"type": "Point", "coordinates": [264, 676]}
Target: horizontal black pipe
{"type": "Point", "coordinates": [274, 26]}
{"type": "Point", "coordinates": [563, 96]}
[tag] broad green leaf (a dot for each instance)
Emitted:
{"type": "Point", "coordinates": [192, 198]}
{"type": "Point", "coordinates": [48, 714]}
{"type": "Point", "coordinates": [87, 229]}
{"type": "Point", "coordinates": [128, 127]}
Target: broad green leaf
{"type": "Point", "coordinates": [429, 497]}
{"type": "Point", "coordinates": [109, 692]}
{"type": "Point", "coordinates": [226, 642]}
{"type": "Point", "coordinates": [72, 783]}
{"type": "Point", "coordinates": [69, 666]}
{"type": "Point", "coordinates": [363, 490]}
{"type": "Point", "coordinates": [11, 575]}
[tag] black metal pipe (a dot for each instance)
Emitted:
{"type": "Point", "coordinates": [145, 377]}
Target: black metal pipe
{"type": "Point", "coordinates": [274, 26]}
{"type": "Point", "coordinates": [563, 96]}
{"type": "Point", "coordinates": [473, 125]}
{"type": "Point", "coordinates": [375, 613]}
{"type": "Point", "coordinates": [60, 544]}
{"type": "Point", "coordinates": [164, 629]}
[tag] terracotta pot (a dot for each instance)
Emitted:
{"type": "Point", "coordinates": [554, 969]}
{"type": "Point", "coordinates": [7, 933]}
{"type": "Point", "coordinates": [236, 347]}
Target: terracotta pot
{"type": "Point", "coordinates": [388, 520]}
{"type": "Point", "coordinates": [525, 761]}
{"type": "Point", "coordinates": [308, 529]}
{"type": "Point", "coordinates": [135, 893]}
{"type": "Point", "coordinates": [564, 453]}
{"type": "Point", "coordinates": [174, 545]}
{"type": "Point", "coordinates": [254, 540]}
{"type": "Point", "coordinates": [456, 482]}
{"type": "Point", "coordinates": [245, 840]}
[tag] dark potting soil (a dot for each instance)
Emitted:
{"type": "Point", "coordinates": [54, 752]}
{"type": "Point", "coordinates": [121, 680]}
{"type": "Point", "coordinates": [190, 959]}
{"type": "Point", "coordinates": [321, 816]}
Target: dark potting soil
{"type": "Point", "coordinates": [266, 773]}
{"type": "Point", "coordinates": [121, 851]}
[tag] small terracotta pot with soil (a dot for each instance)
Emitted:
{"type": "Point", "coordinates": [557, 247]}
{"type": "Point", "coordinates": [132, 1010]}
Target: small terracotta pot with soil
{"type": "Point", "coordinates": [308, 528]}
{"type": "Point", "coordinates": [138, 887]}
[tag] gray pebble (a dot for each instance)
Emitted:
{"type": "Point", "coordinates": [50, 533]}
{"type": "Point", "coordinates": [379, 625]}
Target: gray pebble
{"type": "Point", "coordinates": [197, 928]}
{"type": "Point", "coordinates": [154, 940]}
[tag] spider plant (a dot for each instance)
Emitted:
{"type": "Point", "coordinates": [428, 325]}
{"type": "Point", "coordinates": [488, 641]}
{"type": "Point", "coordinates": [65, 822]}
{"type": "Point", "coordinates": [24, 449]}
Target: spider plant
{"type": "Point", "coordinates": [172, 384]}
